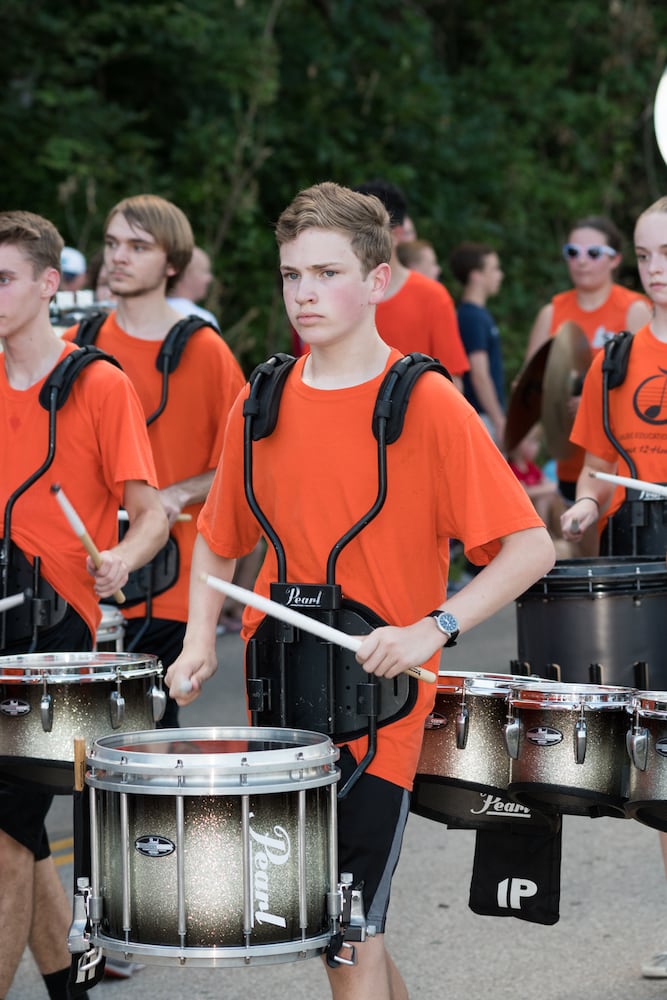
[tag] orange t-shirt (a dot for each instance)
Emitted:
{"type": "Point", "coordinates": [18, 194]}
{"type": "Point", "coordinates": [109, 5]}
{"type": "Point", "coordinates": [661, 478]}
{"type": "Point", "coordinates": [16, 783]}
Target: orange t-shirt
{"type": "Point", "coordinates": [187, 436]}
{"type": "Point", "coordinates": [101, 443]}
{"type": "Point", "coordinates": [598, 325]}
{"type": "Point", "coordinates": [317, 473]}
{"type": "Point", "coordinates": [637, 414]}
{"type": "Point", "coordinates": [421, 317]}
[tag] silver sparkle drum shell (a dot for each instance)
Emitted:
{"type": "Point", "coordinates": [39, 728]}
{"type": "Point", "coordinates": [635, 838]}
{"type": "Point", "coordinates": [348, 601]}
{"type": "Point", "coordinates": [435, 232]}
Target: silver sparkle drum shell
{"type": "Point", "coordinates": [647, 787]}
{"type": "Point", "coordinates": [606, 611]}
{"type": "Point", "coordinates": [214, 846]}
{"type": "Point", "coordinates": [49, 699]}
{"type": "Point", "coordinates": [462, 777]}
{"type": "Point", "coordinates": [553, 723]}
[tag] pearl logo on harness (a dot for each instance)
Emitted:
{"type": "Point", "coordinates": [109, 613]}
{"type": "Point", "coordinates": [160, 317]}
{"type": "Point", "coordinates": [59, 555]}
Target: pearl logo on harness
{"type": "Point", "coordinates": [268, 851]}
{"type": "Point", "coordinates": [296, 599]}
{"type": "Point", "coordinates": [496, 806]}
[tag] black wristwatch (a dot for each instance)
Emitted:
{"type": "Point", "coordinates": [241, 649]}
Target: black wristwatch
{"type": "Point", "coordinates": [447, 624]}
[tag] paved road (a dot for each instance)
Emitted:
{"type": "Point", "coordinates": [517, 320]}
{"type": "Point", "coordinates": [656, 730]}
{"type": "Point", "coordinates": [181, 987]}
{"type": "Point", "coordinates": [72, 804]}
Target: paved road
{"type": "Point", "coordinates": [612, 912]}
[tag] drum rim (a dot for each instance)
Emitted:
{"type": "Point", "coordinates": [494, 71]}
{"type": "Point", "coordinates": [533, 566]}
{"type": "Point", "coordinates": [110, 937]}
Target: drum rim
{"type": "Point", "coordinates": [469, 678]}
{"type": "Point", "coordinates": [559, 695]}
{"type": "Point", "coordinates": [71, 668]}
{"type": "Point", "coordinates": [307, 751]}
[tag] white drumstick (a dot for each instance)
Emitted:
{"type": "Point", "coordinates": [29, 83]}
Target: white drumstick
{"type": "Point", "coordinates": [292, 617]}
{"type": "Point", "coordinates": [636, 484]}
{"type": "Point", "coordinates": [11, 602]}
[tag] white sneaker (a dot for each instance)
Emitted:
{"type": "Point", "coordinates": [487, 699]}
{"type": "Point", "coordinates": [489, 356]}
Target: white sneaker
{"type": "Point", "coordinates": [655, 968]}
{"type": "Point", "coordinates": [118, 968]}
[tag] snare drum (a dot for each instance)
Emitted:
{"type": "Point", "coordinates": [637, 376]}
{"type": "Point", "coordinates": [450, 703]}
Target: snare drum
{"type": "Point", "coordinates": [110, 634]}
{"type": "Point", "coordinates": [608, 613]}
{"type": "Point", "coordinates": [213, 846]}
{"type": "Point", "coordinates": [567, 747]}
{"type": "Point", "coordinates": [48, 699]}
{"type": "Point", "coordinates": [464, 767]}
{"type": "Point", "coordinates": [647, 747]}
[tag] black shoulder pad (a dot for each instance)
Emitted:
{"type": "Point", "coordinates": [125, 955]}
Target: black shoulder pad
{"type": "Point", "coordinates": [267, 382]}
{"type": "Point", "coordinates": [394, 393]}
{"type": "Point", "coordinates": [616, 357]}
{"type": "Point", "coordinates": [174, 343]}
{"type": "Point", "coordinates": [63, 375]}
{"type": "Point", "coordinates": [89, 327]}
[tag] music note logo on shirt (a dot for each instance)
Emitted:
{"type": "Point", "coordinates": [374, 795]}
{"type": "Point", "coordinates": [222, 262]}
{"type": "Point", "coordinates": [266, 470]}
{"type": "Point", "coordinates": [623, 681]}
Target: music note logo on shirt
{"type": "Point", "coordinates": [650, 399]}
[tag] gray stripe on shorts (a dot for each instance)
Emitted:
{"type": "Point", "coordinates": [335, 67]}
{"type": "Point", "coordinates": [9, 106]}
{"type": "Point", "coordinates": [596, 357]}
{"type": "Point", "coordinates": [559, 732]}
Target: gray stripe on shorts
{"type": "Point", "coordinates": [377, 910]}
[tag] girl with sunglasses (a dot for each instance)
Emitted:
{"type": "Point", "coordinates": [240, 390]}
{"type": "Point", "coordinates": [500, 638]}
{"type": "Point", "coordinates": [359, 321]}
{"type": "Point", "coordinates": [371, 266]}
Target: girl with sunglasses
{"type": "Point", "coordinates": [599, 306]}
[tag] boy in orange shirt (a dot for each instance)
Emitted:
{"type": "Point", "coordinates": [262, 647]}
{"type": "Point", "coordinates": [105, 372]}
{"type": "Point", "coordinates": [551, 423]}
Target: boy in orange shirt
{"type": "Point", "coordinates": [317, 471]}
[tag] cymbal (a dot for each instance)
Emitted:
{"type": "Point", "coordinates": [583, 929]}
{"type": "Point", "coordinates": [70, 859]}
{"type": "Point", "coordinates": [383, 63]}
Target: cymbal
{"type": "Point", "coordinates": [568, 362]}
{"type": "Point", "coordinates": [525, 405]}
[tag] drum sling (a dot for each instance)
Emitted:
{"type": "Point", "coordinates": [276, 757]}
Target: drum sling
{"type": "Point", "coordinates": [293, 679]}
{"type": "Point", "coordinates": [43, 606]}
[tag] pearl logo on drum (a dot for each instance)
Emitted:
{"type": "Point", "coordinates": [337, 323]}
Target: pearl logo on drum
{"type": "Point", "coordinates": [544, 736]}
{"type": "Point", "coordinates": [269, 852]}
{"type": "Point", "coordinates": [495, 805]}
{"type": "Point", "coordinates": [14, 708]}
{"type": "Point", "coordinates": [154, 846]}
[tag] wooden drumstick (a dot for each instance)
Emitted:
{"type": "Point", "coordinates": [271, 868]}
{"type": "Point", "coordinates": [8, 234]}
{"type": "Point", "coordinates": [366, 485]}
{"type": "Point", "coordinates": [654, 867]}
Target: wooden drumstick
{"type": "Point", "coordinates": [79, 764]}
{"type": "Point", "coordinates": [292, 617]}
{"type": "Point", "coordinates": [79, 530]}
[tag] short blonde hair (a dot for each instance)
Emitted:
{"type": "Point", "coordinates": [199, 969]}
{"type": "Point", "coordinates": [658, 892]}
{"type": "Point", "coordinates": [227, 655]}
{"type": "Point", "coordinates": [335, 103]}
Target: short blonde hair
{"type": "Point", "coordinates": [363, 218]}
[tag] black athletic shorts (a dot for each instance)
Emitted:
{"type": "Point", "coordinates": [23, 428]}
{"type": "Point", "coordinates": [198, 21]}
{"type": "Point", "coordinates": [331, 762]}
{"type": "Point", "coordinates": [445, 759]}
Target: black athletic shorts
{"type": "Point", "coordinates": [371, 821]}
{"type": "Point", "coordinates": [23, 809]}
{"type": "Point", "coordinates": [162, 638]}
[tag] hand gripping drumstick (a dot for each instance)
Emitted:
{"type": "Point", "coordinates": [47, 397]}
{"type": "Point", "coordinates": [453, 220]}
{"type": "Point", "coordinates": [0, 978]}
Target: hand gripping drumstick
{"type": "Point", "coordinates": [292, 617]}
{"type": "Point", "coordinates": [79, 530]}
{"type": "Point", "coordinates": [637, 484]}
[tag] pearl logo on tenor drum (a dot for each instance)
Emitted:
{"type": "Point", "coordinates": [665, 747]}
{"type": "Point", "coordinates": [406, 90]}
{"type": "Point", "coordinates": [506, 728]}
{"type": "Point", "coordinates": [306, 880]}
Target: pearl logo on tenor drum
{"type": "Point", "coordinates": [544, 736]}
{"type": "Point", "coordinates": [496, 806]}
{"type": "Point", "coordinates": [268, 851]}
{"type": "Point", "coordinates": [154, 846]}
{"type": "Point", "coordinates": [14, 708]}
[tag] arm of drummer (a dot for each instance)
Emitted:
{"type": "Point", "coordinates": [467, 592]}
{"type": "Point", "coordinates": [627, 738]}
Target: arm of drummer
{"type": "Point", "coordinates": [593, 498]}
{"type": "Point", "coordinates": [147, 533]}
{"type": "Point", "coordinates": [195, 489]}
{"type": "Point", "coordinates": [198, 660]}
{"type": "Point", "coordinates": [524, 557]}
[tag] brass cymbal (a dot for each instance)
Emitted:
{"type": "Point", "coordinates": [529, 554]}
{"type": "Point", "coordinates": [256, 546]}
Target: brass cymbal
{"type": "Point", "coordinates": [568, 362]}
{"type": "Point", "coordinates": [525, 405]}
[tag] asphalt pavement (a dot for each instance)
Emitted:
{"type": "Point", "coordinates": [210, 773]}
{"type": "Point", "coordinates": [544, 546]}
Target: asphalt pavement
{"type": "Point", "coordinates": [613, 905]}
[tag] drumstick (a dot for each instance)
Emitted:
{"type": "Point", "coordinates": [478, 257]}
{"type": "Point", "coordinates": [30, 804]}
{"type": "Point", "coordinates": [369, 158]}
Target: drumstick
{"type": "Point", "coordinates": [11, 602]}
{"type": "Point", "coordinates": [637, 484]}
{"type": "Point", "coordinates": [79, 764]}
{"type": "Point", "coordinates": [292, 617]}
{"type": "Point", "coordinates": [124, 516]}
{"type": "Point", "coordinates": [79, 530]}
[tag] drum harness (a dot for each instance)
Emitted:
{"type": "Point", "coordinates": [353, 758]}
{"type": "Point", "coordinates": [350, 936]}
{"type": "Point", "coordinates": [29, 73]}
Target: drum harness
{"type": "Point", "coordinates": [614, 370]}
{"type": "Point", "coordinates": [293, 679]}
{"type": "Point", "coordinates": [162, 571]}
{"type": "Point", "coordinates": [43, 606]}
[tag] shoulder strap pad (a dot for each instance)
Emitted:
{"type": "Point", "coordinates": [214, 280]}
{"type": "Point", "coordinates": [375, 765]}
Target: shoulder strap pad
{"type": "Point", "coordinates": [394, 393]}
{"type": "Point", "coordinates": [89, 327]}
{"type": "Point", "coordinates": [63, 375]}
{"type": "Point", "coordinates": [174, 343]}
{"type": "Point", "coordinates": [616, 357]}
{"type": "Point", "coordinates": [267, 382]}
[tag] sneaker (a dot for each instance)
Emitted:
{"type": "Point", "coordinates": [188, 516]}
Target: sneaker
{"type": "Point", "coordinates": [655, 968]}
{"type": "Point", "coordinates": [118, 968]}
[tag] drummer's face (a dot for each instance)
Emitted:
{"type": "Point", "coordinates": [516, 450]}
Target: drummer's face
{"type": "Point", "coordinates": [23, 293]}
{"type": "Point", "coordinates": [585, 272]}
{"type": "Point", "coordinates": [136, 265]}
{"type": "Point", "coordinates": [651, 250]}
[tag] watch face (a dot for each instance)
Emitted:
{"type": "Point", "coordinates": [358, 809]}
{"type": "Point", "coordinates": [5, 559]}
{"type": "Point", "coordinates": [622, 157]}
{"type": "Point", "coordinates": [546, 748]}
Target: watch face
{"type": "Point", "coordinates": [448, 623]}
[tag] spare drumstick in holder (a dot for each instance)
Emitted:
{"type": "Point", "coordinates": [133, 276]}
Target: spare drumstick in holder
{"type": "Point", "coordinates": [79, 530]}
{"type": "Point", "coordinates": [79, 764]}
{"type": "Point", "coordinates": [292, 617]}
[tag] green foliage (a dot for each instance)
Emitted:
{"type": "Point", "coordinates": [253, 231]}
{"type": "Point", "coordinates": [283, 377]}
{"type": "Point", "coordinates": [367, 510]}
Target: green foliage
{"type": "Point", "coordinates": [503, 122]}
